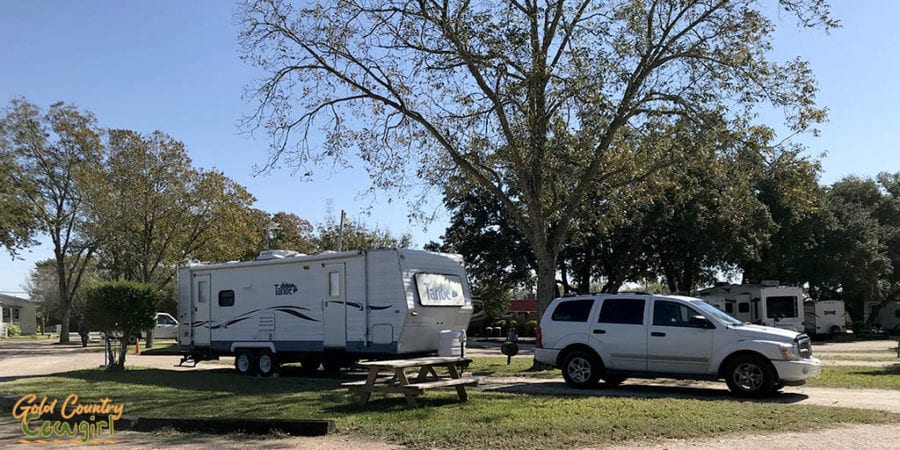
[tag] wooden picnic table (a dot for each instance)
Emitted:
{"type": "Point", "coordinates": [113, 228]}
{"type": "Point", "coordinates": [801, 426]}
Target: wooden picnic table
{"type": "Point", "coordinates": [398, 382]}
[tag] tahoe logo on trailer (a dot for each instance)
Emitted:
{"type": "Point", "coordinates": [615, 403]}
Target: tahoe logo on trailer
{"type": "Point", "coordinates": [285, 289]}
{"type": "Point", "coordinates": [440, 292]}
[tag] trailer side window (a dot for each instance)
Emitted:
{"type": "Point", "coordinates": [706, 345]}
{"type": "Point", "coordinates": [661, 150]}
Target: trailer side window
{"type": "Point", "coordinates": [743, 307]}
{"type": "Point", "coordinates": [729, 308]}
{"type": "Point", "coordinates": [334, 284]}
{"type": "Point", "coordinates": [782, 306]}
{"type": "Point", "coordinates": [226, 298]}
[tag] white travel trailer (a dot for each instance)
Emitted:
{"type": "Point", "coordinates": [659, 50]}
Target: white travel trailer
{"type": "Point", "coordinates": [330, 309]}
{"type": "Point", "coordinates": [888, 317]}
{"type": "Point", "coordinates": [825, 317]}
{"type": "Point", "coordinates": [765, 304]}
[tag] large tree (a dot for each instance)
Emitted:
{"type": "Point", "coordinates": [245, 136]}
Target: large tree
{"type": "Point", "coordinates": [526, 99]}
{"type": "Point", "coordinates": [17, 220]}
{"type": "Point", "coordinates": [58, 154]}
{"type": "Point", "coordinates": [153, 210]}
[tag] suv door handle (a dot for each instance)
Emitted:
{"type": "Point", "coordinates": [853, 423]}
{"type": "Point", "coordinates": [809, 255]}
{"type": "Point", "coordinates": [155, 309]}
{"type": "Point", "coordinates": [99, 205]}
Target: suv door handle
{"type": "Point", "coordinates": [657, 333]}
{"type": "Point", "coordinates": [599, 331]}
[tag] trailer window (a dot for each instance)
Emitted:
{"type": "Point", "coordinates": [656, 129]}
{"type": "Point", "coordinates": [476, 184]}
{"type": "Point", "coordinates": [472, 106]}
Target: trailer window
{"type": "Point", "coordinates": [572, 311]}
{"type": "Point", "coordinates": [440, 290]}
{"type": "Point", "coordinates": [226, 298]}
{"type": "Point", "coordinates": [743, 307]}
{"type": "Point", "coordinates": [202, 292]}
{"type": "Point", "coordinates": [729, 308]}
{"type": "Point", "coordinates": [779, 307]}
{"type": "Point", "coordinates": [334, 284]}
{"type": "Point", "coordinates": [626, 311]}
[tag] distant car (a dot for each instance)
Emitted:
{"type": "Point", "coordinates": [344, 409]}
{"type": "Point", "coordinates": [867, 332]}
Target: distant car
{"type": "Point", "coordinates": [166, 327]}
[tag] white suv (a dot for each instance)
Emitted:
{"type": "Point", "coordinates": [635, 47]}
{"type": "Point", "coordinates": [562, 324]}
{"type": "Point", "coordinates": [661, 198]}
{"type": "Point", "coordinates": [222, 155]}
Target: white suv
{"type": "Point", "coordinates": [616, 336]}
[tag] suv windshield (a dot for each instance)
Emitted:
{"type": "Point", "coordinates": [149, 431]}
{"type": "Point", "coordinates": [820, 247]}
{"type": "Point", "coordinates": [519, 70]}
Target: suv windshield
{"type": "Point", "coordinates": [720, 315]}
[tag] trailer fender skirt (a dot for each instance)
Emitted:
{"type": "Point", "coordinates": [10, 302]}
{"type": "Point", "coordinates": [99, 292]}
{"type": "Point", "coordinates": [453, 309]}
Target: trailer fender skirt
{"type": "Point", "coordinates": [267, 345]}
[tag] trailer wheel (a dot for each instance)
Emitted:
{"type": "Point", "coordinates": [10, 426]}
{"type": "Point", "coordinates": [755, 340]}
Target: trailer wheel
{"type": "Point", "coordinates": [835, 330]}
{"type": "Point", "coordinates": [245, 363]}
{"type": "Point", "coordinates": [267, 364]}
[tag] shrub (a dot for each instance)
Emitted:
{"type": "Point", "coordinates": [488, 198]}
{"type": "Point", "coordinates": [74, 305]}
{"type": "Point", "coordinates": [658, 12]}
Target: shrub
{"type": "Point", "coordinates": [13, 330]}
{"type": "Point", "coordinates": [531, 328]}
{"type": "Point", "coordinates": [121, 309]}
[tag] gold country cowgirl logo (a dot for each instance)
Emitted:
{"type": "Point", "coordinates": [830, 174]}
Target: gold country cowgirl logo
{"type": "Point", "coordinates": [70, 421]}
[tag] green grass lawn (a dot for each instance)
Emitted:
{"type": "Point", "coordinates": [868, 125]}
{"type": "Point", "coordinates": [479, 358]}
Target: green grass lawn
{"type": "Point", "coordinates": [885, 358]}
{"type": "Point", "coordinates": [487, 420]}
{"type": "Point", "coordinates": [858, 377]}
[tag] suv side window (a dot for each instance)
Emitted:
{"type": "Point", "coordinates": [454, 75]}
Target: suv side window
{"type": "Point", "coordinates": [572, 311]}
{"type": "Point", "coordinates": [671, 314]}
{"type": "Point", "coordinates": [628, 311]}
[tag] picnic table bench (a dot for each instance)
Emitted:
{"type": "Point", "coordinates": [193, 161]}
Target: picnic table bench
{"type": "Point", "coordinates": [398, 382]}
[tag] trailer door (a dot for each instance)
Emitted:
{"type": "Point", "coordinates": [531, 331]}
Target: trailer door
{"type": "Point", "coordinates": [335, 306]}
{"type": "Point", "coordinates": [200, 320]}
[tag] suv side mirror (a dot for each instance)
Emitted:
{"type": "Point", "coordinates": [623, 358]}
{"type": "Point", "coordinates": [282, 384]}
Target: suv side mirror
{"type": "Point", "coordinates": [700, 322]}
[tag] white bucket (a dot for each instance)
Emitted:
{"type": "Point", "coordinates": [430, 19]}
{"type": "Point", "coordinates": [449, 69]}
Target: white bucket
{"type": "Point", "coordinates": [452, 343]}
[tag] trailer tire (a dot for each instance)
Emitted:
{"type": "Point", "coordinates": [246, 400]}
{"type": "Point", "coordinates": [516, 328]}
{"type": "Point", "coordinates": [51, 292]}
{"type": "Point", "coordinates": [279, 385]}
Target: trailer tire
{"type": "Point", "coordinates": [267, 364]}
{"type": "Point", "coordinates": [835, 330]}
{"type": "Point", "coordinates": [245, 363]}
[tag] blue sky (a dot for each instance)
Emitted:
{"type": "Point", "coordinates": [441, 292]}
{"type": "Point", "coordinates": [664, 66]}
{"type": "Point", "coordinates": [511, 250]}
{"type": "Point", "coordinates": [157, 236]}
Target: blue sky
{"type": "Point", "coordinates": [174, 66]}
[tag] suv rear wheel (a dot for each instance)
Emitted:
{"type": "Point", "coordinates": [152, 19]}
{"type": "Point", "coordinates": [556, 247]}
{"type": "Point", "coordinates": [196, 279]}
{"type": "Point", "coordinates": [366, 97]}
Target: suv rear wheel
{"type": "Point", "coordinates": [750, 376]}
{"type": "Point", "coordinates": [581, 369]}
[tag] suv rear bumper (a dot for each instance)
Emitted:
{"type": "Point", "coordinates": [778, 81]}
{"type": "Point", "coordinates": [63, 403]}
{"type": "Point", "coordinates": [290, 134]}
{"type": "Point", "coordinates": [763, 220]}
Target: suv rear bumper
{"type": "Point", "coordinates": [798, 370]}
{"type": "Point", "coordinates": [546, 355]}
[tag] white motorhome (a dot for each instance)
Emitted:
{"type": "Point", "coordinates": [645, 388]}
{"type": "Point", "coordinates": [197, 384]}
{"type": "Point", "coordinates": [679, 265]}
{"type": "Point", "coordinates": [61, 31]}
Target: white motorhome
{"type": "Point", "coordinates": [765, 304]}
{"type": "Point", "coordinates": [887, 318]}
{"type": "Point", "coordinates": [825, 317]}
{"type": "Point", "coordinates": [331, 309]}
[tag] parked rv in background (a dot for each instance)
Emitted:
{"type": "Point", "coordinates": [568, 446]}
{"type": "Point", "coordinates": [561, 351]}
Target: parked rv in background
{"type": "Point", "coordinates": [825, 317]}
{"type": "Point", "coordinates": [887, 319]}
{"type": "Point", "coordinates": [331, 308]}
{"type": "Point", "coordinates": [765, 304]}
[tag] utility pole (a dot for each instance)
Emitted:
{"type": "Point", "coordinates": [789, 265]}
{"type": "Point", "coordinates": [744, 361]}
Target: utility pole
{"type": "Point", "coordinates": [341, 230]}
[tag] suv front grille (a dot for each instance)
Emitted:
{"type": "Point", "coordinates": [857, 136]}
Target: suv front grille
{"type": "Point", "coordinates": [805, 346]}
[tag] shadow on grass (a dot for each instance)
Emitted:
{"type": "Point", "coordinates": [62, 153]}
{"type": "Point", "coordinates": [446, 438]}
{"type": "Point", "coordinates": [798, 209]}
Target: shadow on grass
{"type": "Point", "coordinates": [639, 391]}
{"type": "Point", "coordinates": [893, 369]}
{"type": "Point", "coordinates": [213, 380]}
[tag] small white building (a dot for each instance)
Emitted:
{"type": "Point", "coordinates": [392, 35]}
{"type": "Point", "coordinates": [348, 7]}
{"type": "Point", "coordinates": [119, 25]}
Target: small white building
{"type": "Point", "coordinates": [19, 311]}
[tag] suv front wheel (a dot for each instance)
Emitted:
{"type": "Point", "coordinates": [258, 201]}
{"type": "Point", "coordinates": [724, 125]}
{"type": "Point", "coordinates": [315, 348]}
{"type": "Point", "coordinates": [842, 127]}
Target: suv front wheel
{"type": "Point", "coordinates": [581, 369]}
{"type": "Point", "coordinates": [750, 376]}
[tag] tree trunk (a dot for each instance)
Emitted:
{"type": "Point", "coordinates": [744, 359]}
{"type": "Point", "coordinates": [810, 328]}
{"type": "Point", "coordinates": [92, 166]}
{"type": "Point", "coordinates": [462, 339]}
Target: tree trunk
{"type": "Point", "coordinates": [123, 350]}
{"type": "Point", "coordinates": [546, 281]}
{"type": "Point", "coordinates": [63, 298]}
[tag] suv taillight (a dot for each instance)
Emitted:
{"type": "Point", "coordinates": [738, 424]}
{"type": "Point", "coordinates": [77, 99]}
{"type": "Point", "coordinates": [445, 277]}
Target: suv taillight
{"type": "Point", "coordinates": [539, 342]}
